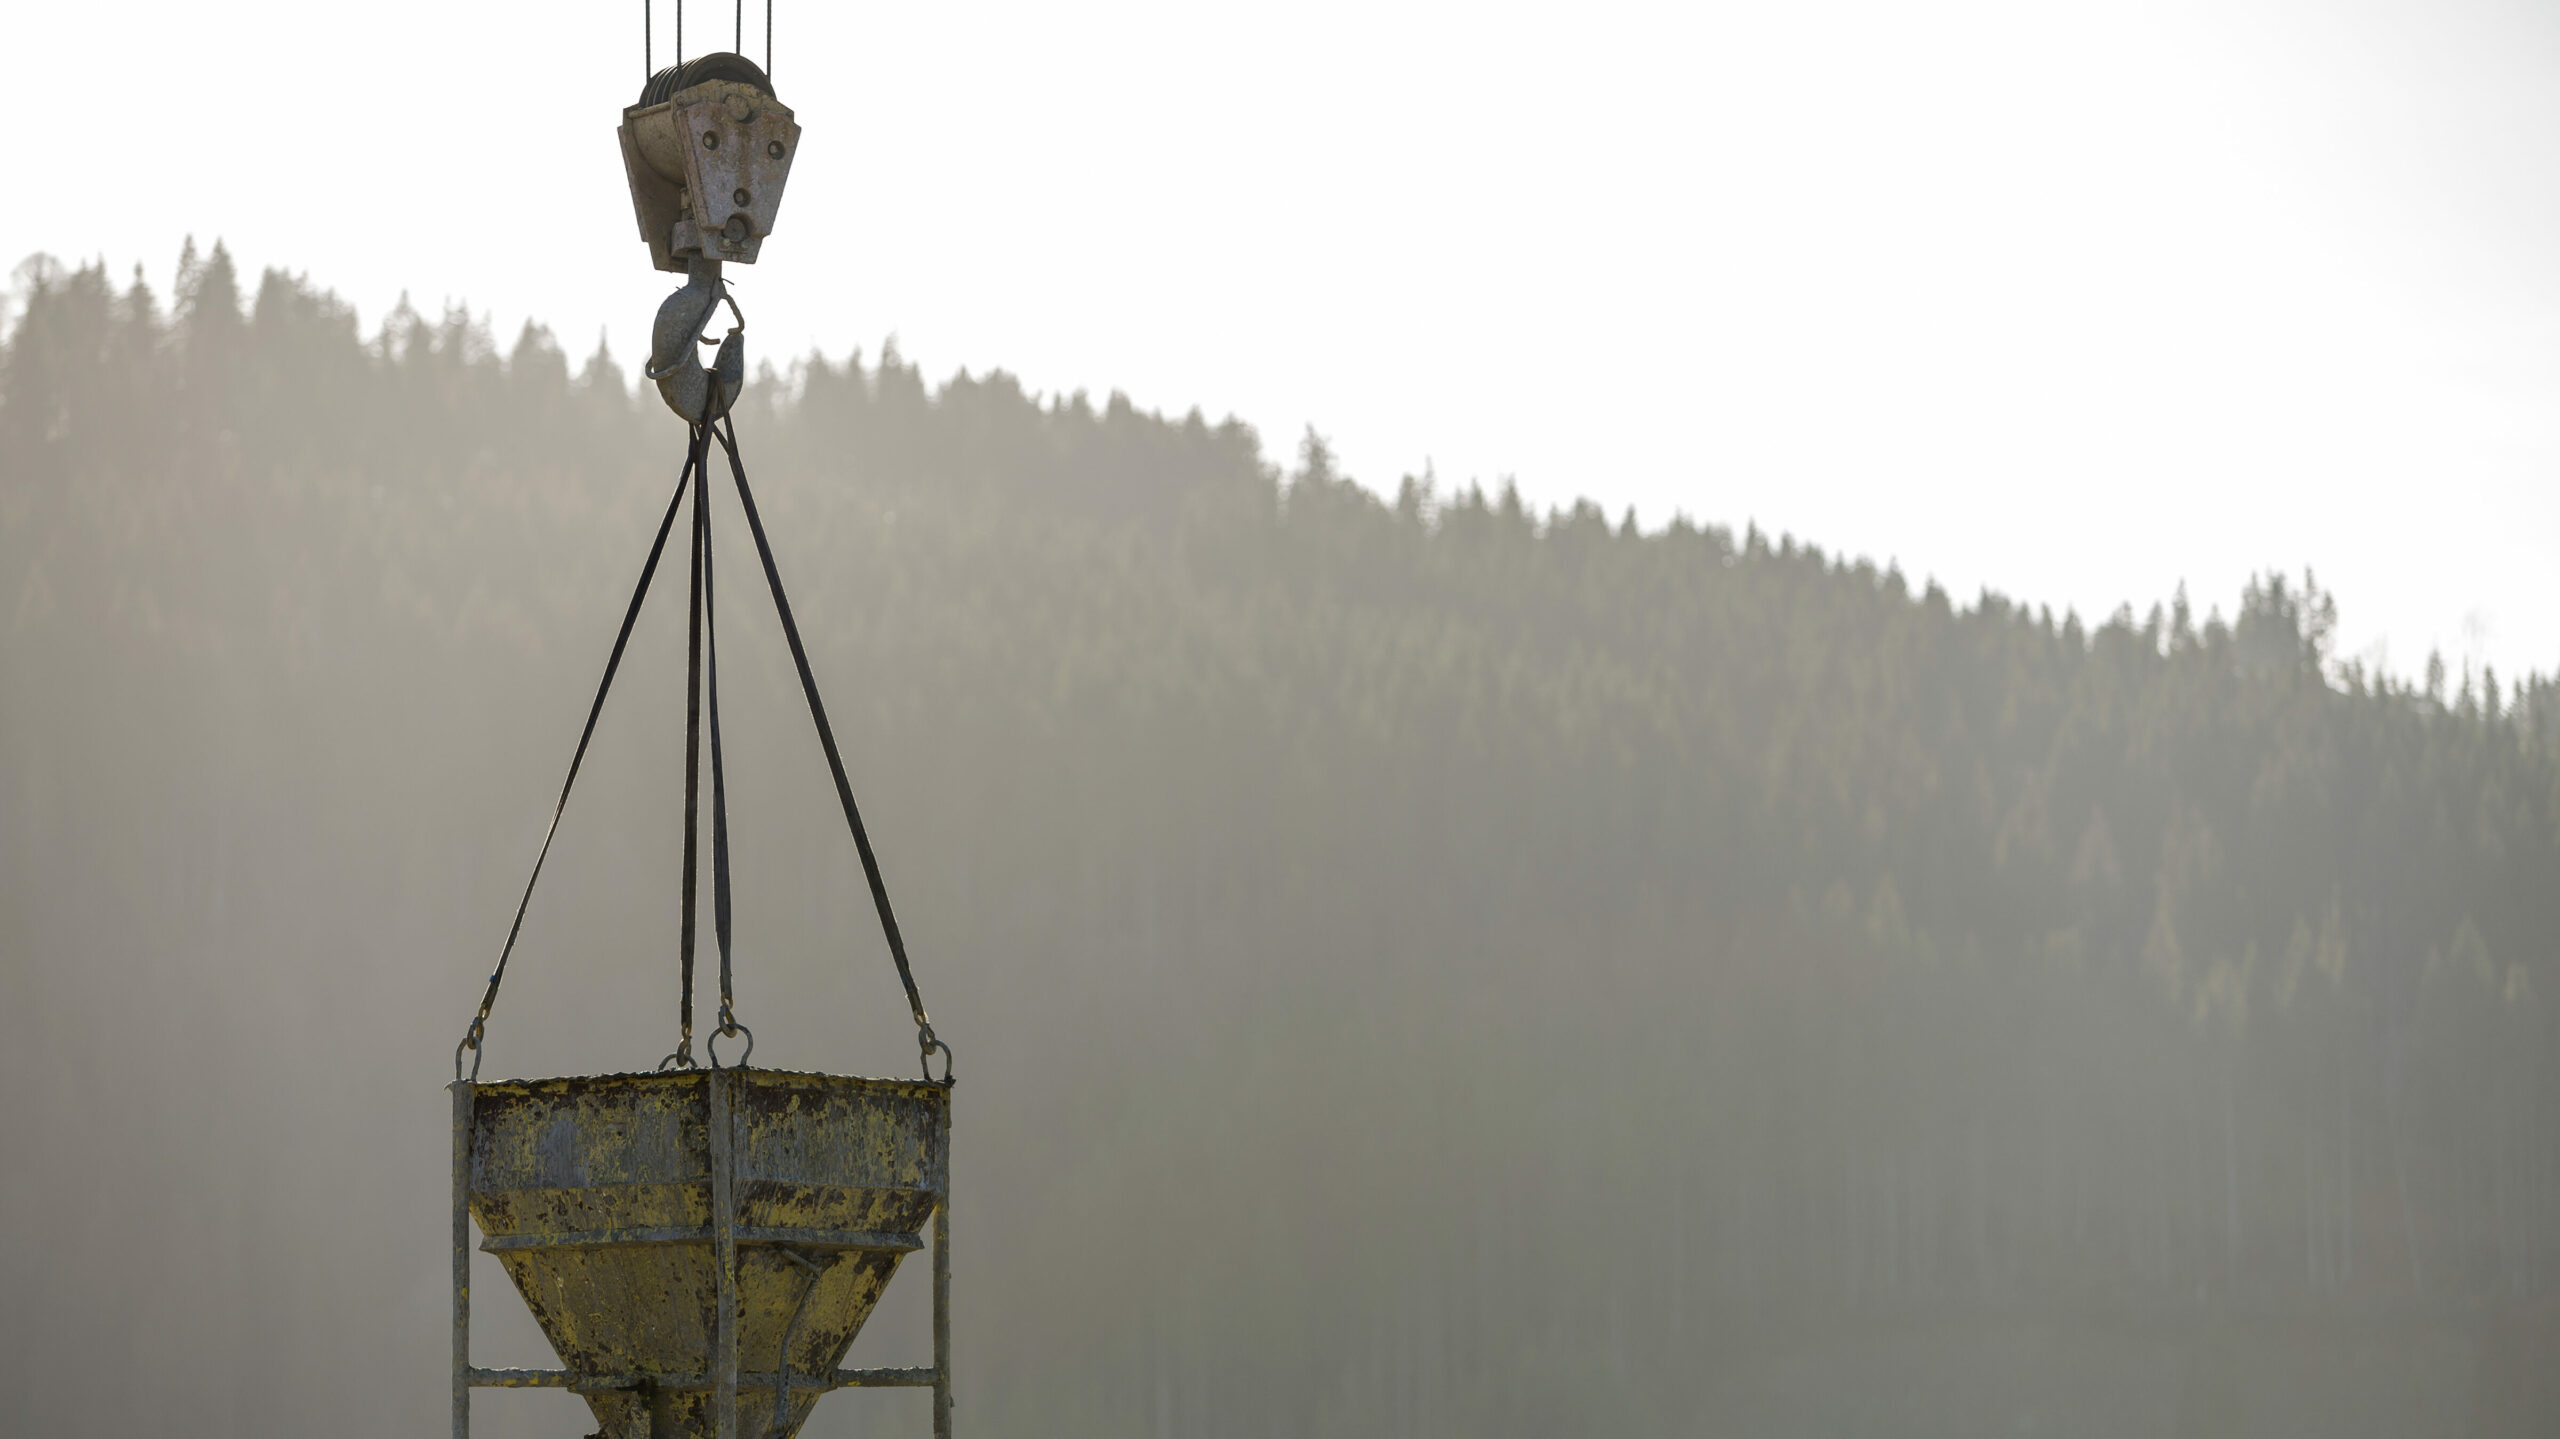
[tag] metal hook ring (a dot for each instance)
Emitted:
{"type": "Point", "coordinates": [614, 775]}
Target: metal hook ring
{"type": "Point", "coordinates": [711, 1044]}
{"type": "Point", "coordinates": [927, 1042]}
{"type": "Point", "coordinates": [471, 1040]}
{"type": "Point", "coordinates": [681, 1059]}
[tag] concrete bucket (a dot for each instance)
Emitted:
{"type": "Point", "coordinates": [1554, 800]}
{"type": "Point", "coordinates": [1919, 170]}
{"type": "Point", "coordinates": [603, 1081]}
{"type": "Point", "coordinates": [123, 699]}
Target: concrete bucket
{"type": "Point", "coordinates": [617, 1202]}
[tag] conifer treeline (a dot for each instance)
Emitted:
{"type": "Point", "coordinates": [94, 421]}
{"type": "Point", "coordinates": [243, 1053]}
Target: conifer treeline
{"type": "Point", "coordinates": [1418, 965]}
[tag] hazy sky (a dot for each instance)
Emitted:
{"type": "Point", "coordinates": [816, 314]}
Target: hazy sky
{"type": "Point", "coordinates": [2074, 301]}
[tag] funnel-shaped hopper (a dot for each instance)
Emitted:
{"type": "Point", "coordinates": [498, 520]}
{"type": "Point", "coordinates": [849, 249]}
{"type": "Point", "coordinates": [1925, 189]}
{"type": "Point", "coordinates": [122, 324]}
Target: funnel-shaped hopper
{"type": "Point", "coordinates": [601, 1196]}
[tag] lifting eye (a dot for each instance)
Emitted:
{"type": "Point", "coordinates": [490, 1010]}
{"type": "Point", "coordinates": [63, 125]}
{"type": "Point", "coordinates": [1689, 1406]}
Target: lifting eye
{"type": "Point", "coordinates": [710, 139]}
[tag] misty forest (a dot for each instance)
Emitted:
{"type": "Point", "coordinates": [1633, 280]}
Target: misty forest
{"type": "Point", "coordinates": [1417, 967]}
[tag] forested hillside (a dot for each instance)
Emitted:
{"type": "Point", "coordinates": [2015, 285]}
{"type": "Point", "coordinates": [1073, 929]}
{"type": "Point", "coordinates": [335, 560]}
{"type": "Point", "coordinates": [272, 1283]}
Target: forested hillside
{"type": "Point", "coordinates": [1417, 967]}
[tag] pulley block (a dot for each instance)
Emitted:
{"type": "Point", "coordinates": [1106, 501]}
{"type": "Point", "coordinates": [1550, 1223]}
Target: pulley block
{"type": "Point", "coordinates": [707, 150]}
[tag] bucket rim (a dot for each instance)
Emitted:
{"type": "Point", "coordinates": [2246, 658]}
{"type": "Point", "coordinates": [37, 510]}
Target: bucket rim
{"type": "Point", "coordinates": [915, 1088]}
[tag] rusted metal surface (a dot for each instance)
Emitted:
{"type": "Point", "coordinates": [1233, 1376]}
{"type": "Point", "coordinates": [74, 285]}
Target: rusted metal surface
{"type": "Point", "coordinates": [921, 1378]}
{"type": "Point", "coordinates": [724, 1260]}
{"type": "Point", "coordinates": [816, 1271]}
{"type": "Point", "coordinates": [609, 1201]}
{"type": "Point", "coordinates": [884, 1378]}
{"type": "Point", "coordinates": [462, 1107]}
{"type": "Point", "coordinates": [942, 1294]}
{"type": "Point", "coordinates": [681, 1234]}
{"type": "Point", "coordinates": [707, 162]}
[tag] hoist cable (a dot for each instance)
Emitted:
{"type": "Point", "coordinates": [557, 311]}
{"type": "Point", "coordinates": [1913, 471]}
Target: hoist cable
{"type": "Point", "coordinates": [471, 1040]}
{"type": "Point", "coordinates": [738, 19]}
{"type": "Point", "coordinates": [926, 1040]}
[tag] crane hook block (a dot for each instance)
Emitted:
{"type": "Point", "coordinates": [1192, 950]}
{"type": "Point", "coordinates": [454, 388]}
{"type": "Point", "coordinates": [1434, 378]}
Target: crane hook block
{"type": "Point", "coordinates": [707, 149]}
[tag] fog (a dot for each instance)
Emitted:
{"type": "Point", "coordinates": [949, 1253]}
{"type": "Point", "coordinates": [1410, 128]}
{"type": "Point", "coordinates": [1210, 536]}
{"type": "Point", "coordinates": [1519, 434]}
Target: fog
{"type": "Point", "coordinates": [1423, 965]}
{"type": "Point", "coordinates": [1933, 283]}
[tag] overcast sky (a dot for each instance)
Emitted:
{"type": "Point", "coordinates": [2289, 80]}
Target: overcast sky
{"type": "Point", "coordinates": [2075, 301]}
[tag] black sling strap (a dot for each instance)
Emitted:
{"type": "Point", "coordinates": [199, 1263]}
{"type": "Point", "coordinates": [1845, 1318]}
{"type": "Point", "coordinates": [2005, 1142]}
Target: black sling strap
{"type": "Point", "coordinates": [925, 1037]}
{"type": "Point", "coordinates": [702, 673]}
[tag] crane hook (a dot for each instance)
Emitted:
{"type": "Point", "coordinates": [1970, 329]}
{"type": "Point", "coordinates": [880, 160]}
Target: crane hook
{"type": "Point", "coordinates": [697, 393]}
